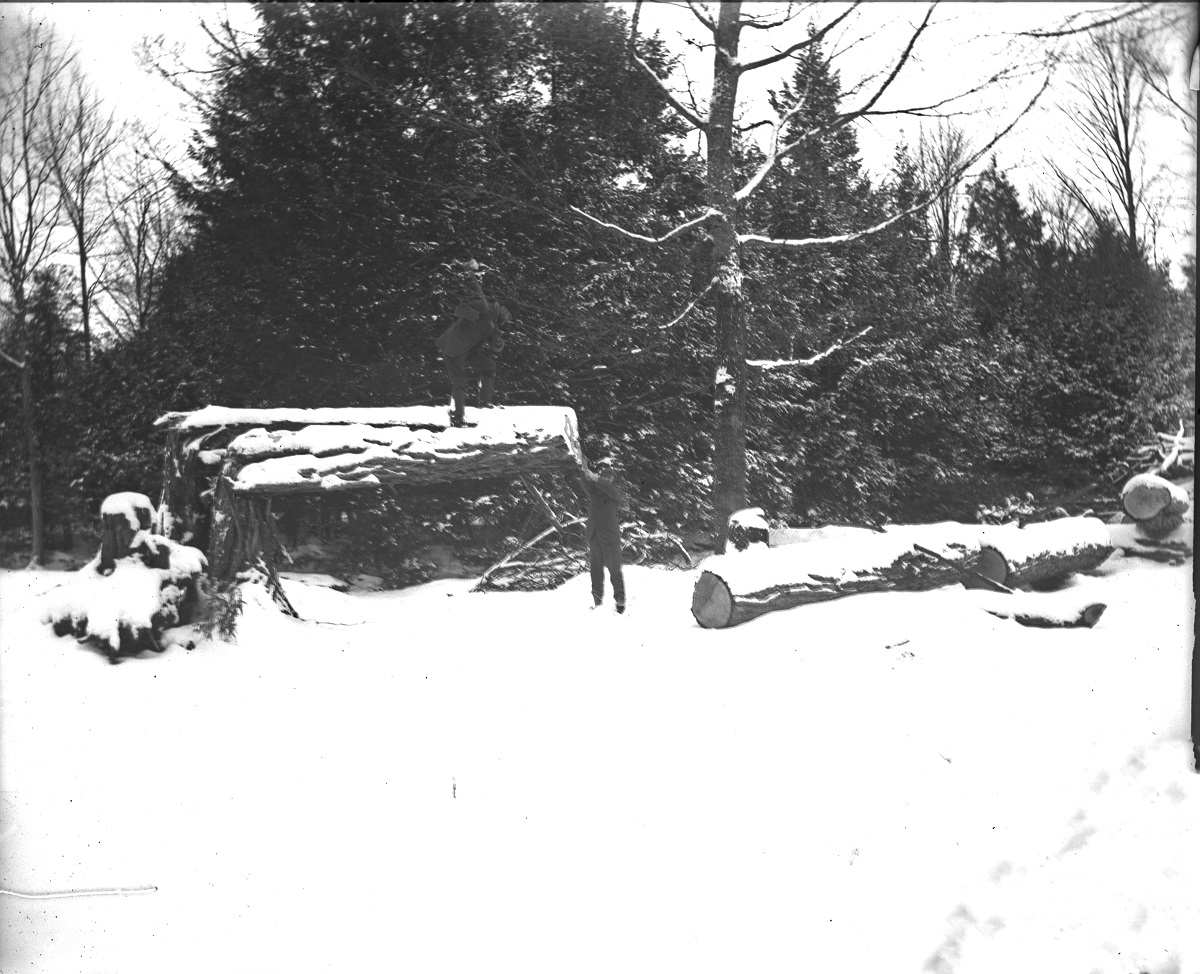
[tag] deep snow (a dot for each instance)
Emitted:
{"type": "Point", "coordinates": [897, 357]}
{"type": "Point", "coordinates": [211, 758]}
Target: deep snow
{"type": "Point", "coordinates": [448, 781]}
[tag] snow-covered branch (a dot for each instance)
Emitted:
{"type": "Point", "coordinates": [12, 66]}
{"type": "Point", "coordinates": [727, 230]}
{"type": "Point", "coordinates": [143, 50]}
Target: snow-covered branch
{"type": "Point", "coordinates": [768, 365]}
{"type": "Point", "coordinates": [814, 38]}
{"type": "Point", "coordinates": [948, 181]}
{"type": "Point", "coordinates": [10, 360]}
{"type": "Point", "coordinates": [682, 228]}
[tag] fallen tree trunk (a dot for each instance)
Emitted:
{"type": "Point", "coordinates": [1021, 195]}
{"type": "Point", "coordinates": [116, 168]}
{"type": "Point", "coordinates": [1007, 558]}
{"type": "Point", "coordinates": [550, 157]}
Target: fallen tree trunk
{"type": "Point", "coordinates": [1042, 552]}
{"type": "Point", "coordinates": [1155, 503]}
{"type": "Point", "coordinates": [735, 588]}
{"type": "Point", "coordinates": [332, 458]}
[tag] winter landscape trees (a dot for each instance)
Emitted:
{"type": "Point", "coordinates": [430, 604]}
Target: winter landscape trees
{"type": "Point", "coordinates": [347, 158]}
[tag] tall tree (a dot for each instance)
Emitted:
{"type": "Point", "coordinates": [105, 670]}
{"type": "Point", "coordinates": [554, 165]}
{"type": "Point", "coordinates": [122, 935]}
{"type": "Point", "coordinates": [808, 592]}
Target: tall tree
{"type": "Point", "coordinates": [33, 67]}
{"type": "Point", "coordinates": [1108, 119]}
{"type": "Point", "coordinates": [86, 135]}
{"type": "Point", "coordinates": [724, 220]}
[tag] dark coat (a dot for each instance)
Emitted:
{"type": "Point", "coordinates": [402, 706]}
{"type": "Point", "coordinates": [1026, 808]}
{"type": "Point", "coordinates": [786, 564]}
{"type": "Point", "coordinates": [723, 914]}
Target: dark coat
{"type": "Point", "coordinates": [476, 320]}
{"type": "Point", "coordinates": [605, 500]}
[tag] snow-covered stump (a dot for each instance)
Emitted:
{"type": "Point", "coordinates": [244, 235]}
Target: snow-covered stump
{"type": "Point", "coordinates": [1156, 504]}
{"type": "Point", "coordinates": [736, 588]}
{"type": "Point", "coordinates": [137, 586]}
{"type": "Point", "coordinates": [748, 528]}
{"type": "Point", "coordinates": [1042, 552]}
{"type": "Point", "coordinates": [124, 518]}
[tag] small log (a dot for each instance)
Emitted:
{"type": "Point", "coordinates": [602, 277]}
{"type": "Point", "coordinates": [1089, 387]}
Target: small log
{"type": "Point", "coordinates": [1041, 611]}
{"type": "Point", "coordinates": [1154, 501]}
{"type": "Point", "coordinates": [1043, 552]}
{"type": "Point", "coordinates": [735, 588]}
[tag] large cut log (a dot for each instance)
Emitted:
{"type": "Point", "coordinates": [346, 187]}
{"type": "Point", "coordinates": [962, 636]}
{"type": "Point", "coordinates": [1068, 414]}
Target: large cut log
{"type": "Point", "coordinates": [735, 588]}
{"type": "Point", "coordinates": [505, 443]}
{"type": "Point", "coordinates": [1158, 505]}
{"type": "Point", "coordinates": [1042, 552]}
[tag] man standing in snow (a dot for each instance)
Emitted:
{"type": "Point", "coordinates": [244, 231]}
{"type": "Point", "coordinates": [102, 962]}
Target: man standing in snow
{"type": "Point", "coordinates": [470, 343]}
{"type": "Point", "coordinates": [605, 498]}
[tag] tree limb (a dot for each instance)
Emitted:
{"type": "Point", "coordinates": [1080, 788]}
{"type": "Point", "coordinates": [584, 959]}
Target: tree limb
{"type": "Point", "coordinates": [814, 38]}
{"type": "Point", "coordinates": [951, 179]}
{"type": "Point", "coordinates": [683, 227]}
{"type": "Point", "coordinates": [682, 110]}
{"type": "Point", "coordinates": [12, 361]}
{"type": "Point", "coordinates": [768, 365]}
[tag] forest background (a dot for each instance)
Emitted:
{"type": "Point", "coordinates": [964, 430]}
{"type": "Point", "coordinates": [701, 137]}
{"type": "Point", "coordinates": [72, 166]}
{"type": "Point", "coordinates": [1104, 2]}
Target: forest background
{"type": "Point", "coordinates": [308, 247]}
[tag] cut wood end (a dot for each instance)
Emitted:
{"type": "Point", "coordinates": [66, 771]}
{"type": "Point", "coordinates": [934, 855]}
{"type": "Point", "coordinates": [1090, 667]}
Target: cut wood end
{"type": "Point", "coordinates": [712, 605]}
{"type": "Point", "coordinates": [1091, 614]}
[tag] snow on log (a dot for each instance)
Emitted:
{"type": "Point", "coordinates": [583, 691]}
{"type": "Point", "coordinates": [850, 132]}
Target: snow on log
{"type": "Point", "coordinates": [1172, 548]}
{"type": "Point", "coordinates": [1042, 551]}
{"type": "Point", "coordinates": [1158, 505]}
{"type": "Point", "coordinates": [1041, 610]}
{"type": "Point", "coordinates": [735, 588]}
{"type": "Point", "coordinates": [353, 448]}
{"type": "Point", "coordinates": [214, 417]}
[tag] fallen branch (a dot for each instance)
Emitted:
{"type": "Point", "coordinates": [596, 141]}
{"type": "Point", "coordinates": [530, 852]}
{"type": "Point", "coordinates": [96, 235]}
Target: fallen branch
{"type": "Point", "coordinates": [525, 547]}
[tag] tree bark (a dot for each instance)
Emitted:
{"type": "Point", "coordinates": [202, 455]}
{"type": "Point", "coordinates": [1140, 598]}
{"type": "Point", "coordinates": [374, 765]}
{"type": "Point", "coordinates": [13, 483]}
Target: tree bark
{"type": "Point", "coordinates": [1041, 611]}
{"type": "Point", "coordinates": [729, 379]}
{"type": "Point", "coordinates": [37, 517]}
{"type": "Point", "coordinates": [736, 588]}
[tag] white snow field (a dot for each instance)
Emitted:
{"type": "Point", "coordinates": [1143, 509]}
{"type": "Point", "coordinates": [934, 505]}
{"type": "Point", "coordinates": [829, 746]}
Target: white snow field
{"type": "Point", "coordinates": [490, 782]}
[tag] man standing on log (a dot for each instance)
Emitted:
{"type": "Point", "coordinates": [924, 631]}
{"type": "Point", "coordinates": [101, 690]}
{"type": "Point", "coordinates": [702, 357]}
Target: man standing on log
{"type": "Point", "coordinates": [470, 343]}
{"type": "Point", "coordinates": [605, 498]}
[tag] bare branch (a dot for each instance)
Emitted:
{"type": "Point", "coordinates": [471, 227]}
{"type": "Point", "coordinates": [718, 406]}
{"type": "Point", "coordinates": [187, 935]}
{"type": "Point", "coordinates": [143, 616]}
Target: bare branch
{"type": "Point", "coordinates": [693, 118]}
{"type": "Point", "coordinates": [787, 52]}
{"type": "Point", "coordinates": [951, 179]}
{"type": "Point", "coordinates": [788, 17]}
{"type": "Point", "coordinates": [768, 365]}
{"type": "Point", "coordinates": [682, 228]}
{"type": "Point", "coordinates": [1130, 10]}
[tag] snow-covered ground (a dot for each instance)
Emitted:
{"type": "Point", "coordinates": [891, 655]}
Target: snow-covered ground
{"type": "Point", "coordinates": [446, 781]}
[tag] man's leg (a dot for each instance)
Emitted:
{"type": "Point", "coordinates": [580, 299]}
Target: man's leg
{"type": "Point", "coordinates": [613, 558]}
{"type": "Point", "coordinates": [456, 368]}
{"type": "Point", "coordinates": [485, 365]}
{"type": "Point", "coordinates": [596, 556]}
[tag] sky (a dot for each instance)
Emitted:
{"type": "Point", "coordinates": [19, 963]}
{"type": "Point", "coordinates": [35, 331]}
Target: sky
{"type": "Point", "coordinates": [966, 43]}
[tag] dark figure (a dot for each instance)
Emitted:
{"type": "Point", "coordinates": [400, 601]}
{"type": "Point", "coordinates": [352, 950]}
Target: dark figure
{"type": "Point", "coordinates": [604, 499]}
{"type": "Point", "coordinates": [469, 344]}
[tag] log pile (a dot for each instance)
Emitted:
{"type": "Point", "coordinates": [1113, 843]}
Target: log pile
{"type": "Point", "coordinates": [139, 585]}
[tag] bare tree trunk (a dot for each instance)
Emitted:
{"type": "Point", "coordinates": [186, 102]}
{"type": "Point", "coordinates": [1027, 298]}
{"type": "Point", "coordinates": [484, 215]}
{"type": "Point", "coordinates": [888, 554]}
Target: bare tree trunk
{"type": "Point", "coordinates": [729, 382]}
{"type": "Point", "coordinates": [33, 450]}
